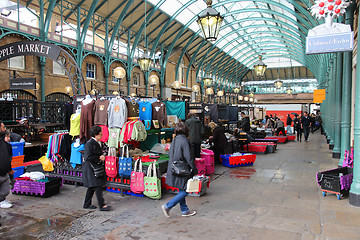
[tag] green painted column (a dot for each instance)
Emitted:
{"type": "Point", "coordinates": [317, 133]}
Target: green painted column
{"type": "Point", "coordinates": [331, 103]}
{"type": "Point", "coordinates": [346, 90]}
{"type": "Point", "coordinates": [42, 77]}
{"type": "Point", "coordinates": [354, 197]}
{"type": "Point", "coordinates": [106, 83]}
{"type": "Point", "coordinates": [338, 100]}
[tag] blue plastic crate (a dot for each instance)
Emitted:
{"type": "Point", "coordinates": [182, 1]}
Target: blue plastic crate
{"type": "Point", "coordinates": [127, 192]}
{"type": "Point", "coordinates": [17, 148]}
{"type": "Point", "coordinates": [18, 171]}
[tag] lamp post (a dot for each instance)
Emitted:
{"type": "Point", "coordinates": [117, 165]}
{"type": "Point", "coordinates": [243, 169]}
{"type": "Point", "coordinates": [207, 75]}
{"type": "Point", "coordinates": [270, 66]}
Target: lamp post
{"type": "Point", "coordinates": [177, 86]}
{"type": "Point", "coordinates": [220, 94]}
{"type": "Point", "coordinates": [209, 92]}
{"type": "Point", "coordinates": [119, 73]}
{"type": "Point", "coordinates": [145, 61]}
{"type": "Point", "coordinates": [209, 22]}
{"type": "Point", "coordinates": [207, 81]}
{"type": "Point", "coordinates": [260, 67]}
{"type": "Point", "coordinates": [195, 89]}
{"type": "Point", "coordinates": [68, 89]}
{"type": "Point", "coordinates": [153, 80]}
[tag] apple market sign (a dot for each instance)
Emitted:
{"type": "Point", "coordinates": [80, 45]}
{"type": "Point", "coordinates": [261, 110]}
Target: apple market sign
{"type": "Point", "coordinates": [42, 49]}
{"type": "Point", "coordinates": [329, 37]}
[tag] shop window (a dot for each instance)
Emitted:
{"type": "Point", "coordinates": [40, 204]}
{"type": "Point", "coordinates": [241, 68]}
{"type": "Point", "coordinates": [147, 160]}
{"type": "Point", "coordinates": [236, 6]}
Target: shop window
{"type": "Point", "coordinates": [58, 69]}
{"type": "Point", "coordinates": [136, 79]}
{"type": "Point", "coordinates": [17, 62]}
{"type": "Point", "coordinates": [90, 71]}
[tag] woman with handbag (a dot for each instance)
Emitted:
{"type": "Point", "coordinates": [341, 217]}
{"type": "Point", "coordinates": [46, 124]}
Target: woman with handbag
{"type": "Point", "coordinates": [181, 168]}
{"type": "Point", "coordinates": [94, 176]}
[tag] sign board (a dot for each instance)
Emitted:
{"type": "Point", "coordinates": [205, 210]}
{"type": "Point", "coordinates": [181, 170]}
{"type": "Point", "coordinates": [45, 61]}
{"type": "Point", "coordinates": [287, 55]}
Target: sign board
{"type": "Point", "coordinates": [339, 42]}
{"type": "Point", "coordinates": [319, 95]}
{"type": "Point", "coordinates": [22, 83]}
{"type": "Point", "coordinates": [38, 48]}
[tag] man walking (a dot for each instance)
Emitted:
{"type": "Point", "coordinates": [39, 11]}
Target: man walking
{"type": "Point", "coordinates": [196, 130]}
{"type": "Point", "coordinates": [305, 125]}
{"type": "Point", "coordinates": [288, 124]}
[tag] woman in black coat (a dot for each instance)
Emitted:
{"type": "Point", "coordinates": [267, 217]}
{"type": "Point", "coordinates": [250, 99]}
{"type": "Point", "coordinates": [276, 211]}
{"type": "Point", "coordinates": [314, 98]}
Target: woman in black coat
{"type": "Point", "coordinates": [219, 141]}
{"type": "Point", "coordinates": [94, 155]}
{"type": "Point", "coordinates": [180, 148]}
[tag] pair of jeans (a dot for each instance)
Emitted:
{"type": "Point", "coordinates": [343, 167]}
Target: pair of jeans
{"type": "Point", "coordinates": [4, 187]}
{"type": "Point", "coordinates": [306, 132]}
{"type": "Point", "coordinates": [179, 198]}
{"type": "Point", "coordinates": [299, 133]}
{"type": "Point", "coordinates": [288, 129]}
{"type": "Point", "coordinates": [90, 194]}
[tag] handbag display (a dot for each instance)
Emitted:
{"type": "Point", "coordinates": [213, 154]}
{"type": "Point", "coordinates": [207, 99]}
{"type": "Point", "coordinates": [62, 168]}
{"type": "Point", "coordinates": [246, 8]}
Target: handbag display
{"type": "Point", "coordinates": [152, 183]}
{"type": "Point", "coordinates": [99, 169]}
{"type": "Point", "coordinates": [125, 163]}
{"type": "Point", "coordinates": [181, 168]}
{"type": "Point", "coordinates": [111, 163]}
{"type": "Point", "coordinates": [137, 178]}
{"type": "Point", "coordinates": [193, 185]}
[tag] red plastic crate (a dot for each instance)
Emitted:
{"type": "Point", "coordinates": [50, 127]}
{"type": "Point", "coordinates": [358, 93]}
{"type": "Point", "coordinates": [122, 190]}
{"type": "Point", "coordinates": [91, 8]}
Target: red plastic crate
{"type": "Point", "coordinates": [290, 137]}
{"type": "Point", "coordinates": [238, 161]}
{"type": "Point", "coordinates": [205, 185]}
{"type": "Point", "coordinates": [255, 148]}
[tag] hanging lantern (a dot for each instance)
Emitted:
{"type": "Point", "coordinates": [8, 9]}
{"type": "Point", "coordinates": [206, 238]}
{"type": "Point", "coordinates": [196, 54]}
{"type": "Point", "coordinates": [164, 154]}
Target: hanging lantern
{"type": "Point", "coordinates": [119, 72]}
{"type": "Point", "coordinates": [220, 93]}
{"type": "Point", "coordinates": [278, 83]}
{"type": "Point", "coordinates": [246, 99]}
{"type": "Point", "coordinates": [177, 85]}
{"type": "Point", "coordinates": [209, 91]}
{"type": "Point", "coordinates": [153, 80]}
{"type": "Point", "coordinates": [144, 62]}
{"type": "Point", "coordinates": [93, 92]}
{"type": "Point", "coordinates": [133, 94]}
{"type": "Point", "coordinates": [207, 81]}
{"type": "Point", "coordinates": [236, 89]}
{"type": "Point", "coordinates": [251, 99]}
{"type": "Point", "coordinates": [68, 89]}
{"type": "Point", "coordinates": [209, 22]}
{"type": "Point", "coordinates": [289, 91]}
{"type": "Point", "coordinates": [115, 92]}
{"type": "Point", "coordinates": [251, 94]}
{"type": "Point", "coordinates": [260, 67]}
{"type": "Point", "coordinates": [241, 98]}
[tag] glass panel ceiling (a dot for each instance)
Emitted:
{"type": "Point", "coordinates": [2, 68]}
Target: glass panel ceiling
{"type": "Point", "coordinates": [240, 29]}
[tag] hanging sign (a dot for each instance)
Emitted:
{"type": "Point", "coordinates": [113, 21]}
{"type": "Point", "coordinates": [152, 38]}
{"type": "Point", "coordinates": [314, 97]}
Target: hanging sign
{"type": "Point", "coordinates": [22, 83]}
{"type": "Point", "coordinates": [319, 95]}
{"type": "Point", "coordinates": [341, 42]}
{"type": "Point", "coordinates": [38, 48]}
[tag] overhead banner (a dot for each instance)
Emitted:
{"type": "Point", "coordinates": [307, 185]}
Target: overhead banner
{"type": "Point", "coordinates": [38, 48]}
{"type": "Point", "coordinates": [341, 42]}
{"type": "Point", "coordinates": [319, 95]}
{"type": "Point", "coordinates": [22, 83]}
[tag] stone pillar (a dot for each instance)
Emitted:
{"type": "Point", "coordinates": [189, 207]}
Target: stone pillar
{"type": "Point", "coordinates": [331, 103]}
{"type": "Point", "coordinates": [354, 197]}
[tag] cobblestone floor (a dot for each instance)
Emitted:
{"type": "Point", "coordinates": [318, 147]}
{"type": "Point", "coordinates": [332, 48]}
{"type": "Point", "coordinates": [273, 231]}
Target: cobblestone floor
{"type": "Point", "coordinates": [277, 198]}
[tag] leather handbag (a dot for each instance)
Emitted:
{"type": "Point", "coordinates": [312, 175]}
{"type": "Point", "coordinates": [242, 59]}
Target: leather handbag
{"type": "Point", "coordinates": [125, 162]}
{"type": "Point", "coordinates": [181, 168]}
{"type": "Point", "coordinates": [111, 163]}
{"type": "Point", "coordinates": [137, 178]}
{"type": "Point", "coordinates": [152, 183]}
{"type": "Point", "coordinates": [99, 169]}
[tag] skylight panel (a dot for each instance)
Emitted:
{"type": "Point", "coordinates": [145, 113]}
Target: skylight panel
{"type": "Point", "coordinates": [170, 7]}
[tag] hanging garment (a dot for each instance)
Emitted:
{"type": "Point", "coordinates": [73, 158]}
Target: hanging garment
{"type": "Point", "coordinates": [100, 108]}
{"type": "Point", "coordinates": [105, 133]}
{"type": "Point", "coordinates": [113, 140]}
{"type": "Point", "coordinates": [75, 125]}
{"type": "Point", "coordinates": [65, 147]}
{"type": "Point", "coordinates": [138, 132]}
{"type": "Point", "coordinates": [117, 113]}
{"type": "Point", "coordinates": [54, 147]}
{"type": "Point", "coordinates": [68, 112]}
{"type": "Point", "coordinates": [133, 108]}
{"type": "Point", "coordinates": [176, 108]}
{"type": "Point", "coordinates": [145, 110]}
{"type": "Point", "coordinates": [86, 120]}
{"type": "Point", "coordinates": [76, 156]}
{"type": "Point", "coordinates": [212, 111]}
{"type": "Point", "coordinates": [159, 113]}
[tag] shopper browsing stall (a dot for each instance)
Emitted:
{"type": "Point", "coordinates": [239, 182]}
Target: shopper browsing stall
{"type": "Point", "coordinates": [5, 169]}
{"type": "Point", "coordinates": [196, 130]}
{"type": "Point", "coordinates": [94, 170]}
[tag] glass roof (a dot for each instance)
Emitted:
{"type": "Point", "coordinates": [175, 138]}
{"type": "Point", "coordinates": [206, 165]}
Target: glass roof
{"type": "Point", "coordinates": [256, 25]}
